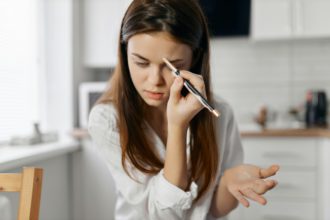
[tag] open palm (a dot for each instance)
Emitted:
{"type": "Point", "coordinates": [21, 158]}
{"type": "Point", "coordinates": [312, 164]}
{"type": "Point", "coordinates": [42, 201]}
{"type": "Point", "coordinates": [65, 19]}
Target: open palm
{"type": "Point", "coordinates": [249, 181]}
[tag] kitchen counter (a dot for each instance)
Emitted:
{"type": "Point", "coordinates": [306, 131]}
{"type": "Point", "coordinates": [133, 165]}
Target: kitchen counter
{"type": "Point", "coordinates": [56, 160]}
{"type": "Point", "coordinates": [312, 132]}
{"type": "Point", "coordinates": [16, 156]}
{"type": "Point", "coordinates": [299, 132]}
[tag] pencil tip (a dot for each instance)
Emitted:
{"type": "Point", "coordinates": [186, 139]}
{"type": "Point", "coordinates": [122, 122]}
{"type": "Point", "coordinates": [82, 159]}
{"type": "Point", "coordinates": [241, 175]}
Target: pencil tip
{"type": "Point", "coordinates": [216, 113]}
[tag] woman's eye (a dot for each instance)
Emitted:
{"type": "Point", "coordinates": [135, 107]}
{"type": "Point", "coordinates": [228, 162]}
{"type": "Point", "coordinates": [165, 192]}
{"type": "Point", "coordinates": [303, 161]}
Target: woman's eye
{"type": "Point", "coordinates": [142, 64]}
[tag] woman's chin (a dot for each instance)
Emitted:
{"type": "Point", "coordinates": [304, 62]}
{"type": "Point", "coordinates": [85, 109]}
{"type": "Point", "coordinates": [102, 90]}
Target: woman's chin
{"type": "Point", "coordinates": [155, 103]}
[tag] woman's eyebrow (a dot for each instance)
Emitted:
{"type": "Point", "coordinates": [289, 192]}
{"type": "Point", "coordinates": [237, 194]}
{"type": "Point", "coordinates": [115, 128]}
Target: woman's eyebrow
{"type": "Point", "coordinates": [139, 56]}
{"type": "Point", "coordinates": [145, 59]}
{"type": "Point", "coordinates": [176, 60]}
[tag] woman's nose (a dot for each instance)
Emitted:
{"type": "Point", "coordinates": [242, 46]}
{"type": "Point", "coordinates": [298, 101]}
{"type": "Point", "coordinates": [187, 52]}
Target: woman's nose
{"type": "Point", "coordinates": [155, 76]}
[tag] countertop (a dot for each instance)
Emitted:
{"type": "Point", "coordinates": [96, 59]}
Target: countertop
{"type": "Point", "coordinates": [290, 132]}
{"type": "Point", "coordinates": [299, 132]}
{"type": "Point", "coordinates": [16, 156]}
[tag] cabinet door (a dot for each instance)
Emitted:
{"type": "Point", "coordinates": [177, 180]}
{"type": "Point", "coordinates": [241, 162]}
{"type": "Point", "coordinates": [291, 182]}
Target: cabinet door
{"type": "Point", "coordinates": [315, 18]}
{"type": "Point", "coordinates": [293, 153]}
{"type": "Point", "coordinates": [94, 192]}
{"type": "Point", "coordinates": [102, 20]}
{"type": "Point", "coordinates": [271, 19]}
{"type": "Point", "coordinates": [300, 185]}
{"type": "Point", "coordinates": [281, 211]}
{"type": "Point", "coordinates": [275, 210]}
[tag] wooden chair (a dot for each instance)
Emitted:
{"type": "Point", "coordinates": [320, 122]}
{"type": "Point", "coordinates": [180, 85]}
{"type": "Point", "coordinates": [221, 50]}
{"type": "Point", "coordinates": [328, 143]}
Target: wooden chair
{"type": "Point", "coordinates": [28, 184]}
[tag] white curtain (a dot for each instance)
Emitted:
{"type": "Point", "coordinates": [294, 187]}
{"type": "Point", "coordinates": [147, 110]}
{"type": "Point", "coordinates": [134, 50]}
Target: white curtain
{"type": "Point", "coordinates": [19, 67]}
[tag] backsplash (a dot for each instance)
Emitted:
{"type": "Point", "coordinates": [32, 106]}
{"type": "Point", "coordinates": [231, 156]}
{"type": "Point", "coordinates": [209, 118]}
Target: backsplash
{"type": "Point", "coordinates": [277, 74]}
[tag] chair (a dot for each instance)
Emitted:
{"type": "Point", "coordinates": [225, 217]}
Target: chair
{"type": "Point", "coordinates": [28, 184]}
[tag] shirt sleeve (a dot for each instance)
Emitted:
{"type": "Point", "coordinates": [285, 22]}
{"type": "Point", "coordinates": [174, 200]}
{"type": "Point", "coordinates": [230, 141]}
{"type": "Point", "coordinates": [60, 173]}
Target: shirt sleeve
{"type": "Point", "coordinates": [147, 194]}
{"type": "Point", "coordinates": [233, 152]}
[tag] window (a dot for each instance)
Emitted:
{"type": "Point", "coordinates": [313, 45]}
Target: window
{"type": "Point", "coordinates": [19, 67]}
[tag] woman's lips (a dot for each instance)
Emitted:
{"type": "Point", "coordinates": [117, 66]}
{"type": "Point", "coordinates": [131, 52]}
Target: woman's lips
{"type": "Point", "coordinates": [154, 95]}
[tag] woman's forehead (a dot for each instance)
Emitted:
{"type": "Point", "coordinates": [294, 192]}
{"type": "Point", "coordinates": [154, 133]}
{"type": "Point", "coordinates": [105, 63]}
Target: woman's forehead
{"type": "Point", "coordinates": [157, 45]}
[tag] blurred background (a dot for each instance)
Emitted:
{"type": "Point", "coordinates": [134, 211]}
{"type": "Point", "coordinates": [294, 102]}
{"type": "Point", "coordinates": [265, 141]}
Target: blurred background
{"type": "Point", "coordinates": [270, 59]}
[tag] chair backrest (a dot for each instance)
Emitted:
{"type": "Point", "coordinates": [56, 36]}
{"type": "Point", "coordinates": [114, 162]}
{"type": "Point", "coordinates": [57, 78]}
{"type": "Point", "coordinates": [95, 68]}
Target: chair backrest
{"type": "Point", "coordinates": [28, 184]}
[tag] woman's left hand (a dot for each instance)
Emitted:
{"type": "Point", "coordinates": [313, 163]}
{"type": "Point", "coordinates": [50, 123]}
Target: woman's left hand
{"type": "Point", "coordinates": [249, 181]}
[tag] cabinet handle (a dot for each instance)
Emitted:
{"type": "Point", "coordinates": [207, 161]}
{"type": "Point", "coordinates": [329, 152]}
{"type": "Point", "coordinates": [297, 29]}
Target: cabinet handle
{"type": "Point", "coordinates": [279, 217]}
{"type": "Point", "coordinates": [286, 186]}
{"type": "Point", "coordinates": [299, 22]}
{"type": "Point", "coordinates": [279, 154]}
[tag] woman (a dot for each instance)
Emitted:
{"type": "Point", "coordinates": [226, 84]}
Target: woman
{"type": "Point", "coordinates": [169, 157]}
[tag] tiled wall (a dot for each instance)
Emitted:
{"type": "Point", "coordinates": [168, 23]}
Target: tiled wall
{"type": "Point", "coordinates": [278, 74]}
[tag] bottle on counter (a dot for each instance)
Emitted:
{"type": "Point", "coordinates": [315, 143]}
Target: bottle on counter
{"type": "Point", "coordinates": [316, 109]}
{"type": "Point", "coordinates": [310, 111]}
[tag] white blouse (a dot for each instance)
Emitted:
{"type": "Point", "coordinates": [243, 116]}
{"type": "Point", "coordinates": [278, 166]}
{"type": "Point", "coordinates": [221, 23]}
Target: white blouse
{"type": "Point", "coordinates": [153, 197]}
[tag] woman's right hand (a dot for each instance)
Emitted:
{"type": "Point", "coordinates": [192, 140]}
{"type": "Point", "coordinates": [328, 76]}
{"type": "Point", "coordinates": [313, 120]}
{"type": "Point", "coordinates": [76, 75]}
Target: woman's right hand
{"type": "Point", "coordinates": [180, 109]}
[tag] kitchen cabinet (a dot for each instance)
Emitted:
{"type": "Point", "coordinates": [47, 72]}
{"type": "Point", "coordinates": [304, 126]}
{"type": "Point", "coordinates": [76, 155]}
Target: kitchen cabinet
{"type": "Point", "coordinates": [94, 194]}
{"type": "Point", "coordinates": [302, 192]}
{"type": "Point", "coordinates": [55, 159]}
{"type": "Point", "coordinates": [290, 19]}
{"type": "Point", "coordinates": [102, 20]}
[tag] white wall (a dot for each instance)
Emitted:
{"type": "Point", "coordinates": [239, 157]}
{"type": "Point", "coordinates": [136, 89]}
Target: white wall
{"type": "Point", "coordinates": [277, 74]}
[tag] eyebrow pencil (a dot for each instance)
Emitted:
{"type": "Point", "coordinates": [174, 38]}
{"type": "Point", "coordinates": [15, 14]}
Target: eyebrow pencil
{"type": "Point", "coordinates": [192, 89]}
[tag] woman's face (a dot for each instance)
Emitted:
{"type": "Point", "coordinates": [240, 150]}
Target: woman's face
{"type": "Point", "coordinates": [150, 75]}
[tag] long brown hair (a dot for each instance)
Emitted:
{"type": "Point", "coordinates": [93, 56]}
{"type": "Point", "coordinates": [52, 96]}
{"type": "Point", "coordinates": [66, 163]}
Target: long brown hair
{"type": "Point", "coordinates": [184, 20]}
